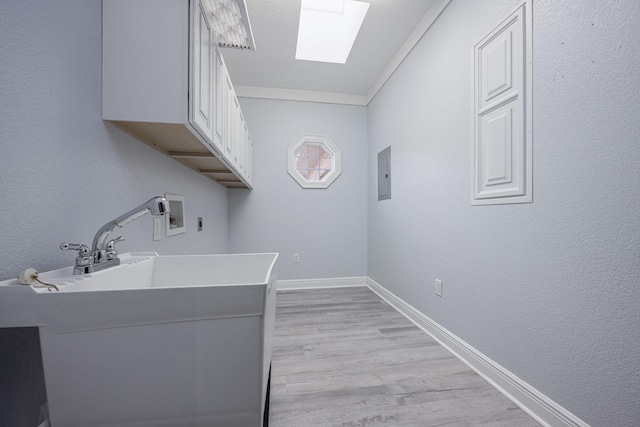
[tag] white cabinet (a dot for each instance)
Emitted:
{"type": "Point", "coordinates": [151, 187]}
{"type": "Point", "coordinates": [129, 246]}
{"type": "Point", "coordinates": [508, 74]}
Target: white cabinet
{"type": "Point", "coordinates": [228, 114]}
{"type": "Point", "coordinates": [165, 83]}
{"type": "Point", "coordinates": [236, 141]}
{"type": "Point", "coordinates": [250, 162]}
{"type": "Point", "coordinates": [247, 152]}
{"type": "Point", "coordinates": [203, 69]}
{"type": "Point", "coordinates": [218, 117]}
{"type": "Point", "coordinates": [235, 135]}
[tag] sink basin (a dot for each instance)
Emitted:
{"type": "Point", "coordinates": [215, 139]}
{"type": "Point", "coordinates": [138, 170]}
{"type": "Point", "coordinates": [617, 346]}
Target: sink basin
{"type": "Point", "coordinates": [156, 341]}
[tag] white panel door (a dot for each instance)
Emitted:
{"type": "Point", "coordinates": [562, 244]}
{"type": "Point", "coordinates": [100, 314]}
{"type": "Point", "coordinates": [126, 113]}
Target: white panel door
{"type": "Point", "coordinates": [502, 155]}
{"type": "Point", "coordinates": [202, 77]}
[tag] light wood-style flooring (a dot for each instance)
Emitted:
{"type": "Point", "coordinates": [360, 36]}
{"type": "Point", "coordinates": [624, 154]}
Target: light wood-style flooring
{"type": "Point", "coordinates": [343, 357]}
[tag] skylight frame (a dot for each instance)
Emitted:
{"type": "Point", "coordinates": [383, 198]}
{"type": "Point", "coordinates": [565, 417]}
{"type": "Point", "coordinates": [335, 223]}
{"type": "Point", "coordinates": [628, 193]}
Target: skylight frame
{"type": "Point", "coordinates": [324, 33]}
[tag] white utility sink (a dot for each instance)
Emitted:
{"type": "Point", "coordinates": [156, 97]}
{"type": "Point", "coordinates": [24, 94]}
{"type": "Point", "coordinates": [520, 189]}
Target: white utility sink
{"type": "Point", "coordinates": [157, 341]}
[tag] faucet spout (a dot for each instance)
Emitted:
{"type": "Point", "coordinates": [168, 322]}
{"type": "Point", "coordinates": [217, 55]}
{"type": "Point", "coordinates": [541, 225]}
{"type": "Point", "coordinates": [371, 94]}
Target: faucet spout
{"type": "Point", "coordinates": [103, 254]}
{"type": "Point", "coordinates": [156, 206]}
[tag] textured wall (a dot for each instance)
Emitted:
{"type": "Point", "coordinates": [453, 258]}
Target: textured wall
{"type": "Point", "coordinates": [64, 172]}
{"type": "Point", "coordinates": [327, 227]}
{"type": "Point", "coordinates": [549, 290]}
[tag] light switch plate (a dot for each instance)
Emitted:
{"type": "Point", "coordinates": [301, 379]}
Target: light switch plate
{"type": "Point", "coordinates": [439, 287]}
{"type": "Point", "coordinates": [384, 174]}
{"type": "Point", "coordinates": [157, 229]}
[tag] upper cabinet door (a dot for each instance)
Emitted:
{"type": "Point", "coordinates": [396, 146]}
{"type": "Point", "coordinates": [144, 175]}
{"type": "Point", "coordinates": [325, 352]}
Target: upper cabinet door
{"type": "Point", "coordinates": [236, 144]}
{"type": "Point", "coordinates": [203, 72]}
{"type": "Point", "coordinates": [250, 162]}
{"type": "Point", "coordinates": [218, 124]}
{"type": "Point", "coordinates": [229, 116]}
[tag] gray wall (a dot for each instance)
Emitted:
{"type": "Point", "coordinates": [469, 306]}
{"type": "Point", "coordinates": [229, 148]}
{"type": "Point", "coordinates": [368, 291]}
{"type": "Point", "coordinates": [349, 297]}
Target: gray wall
{"type": "Point", "coordinates": [549, 290]}
{"type": "Point", "coordinates": [327, 227]}
{"type": "Point", "coordinates": [64, 172]}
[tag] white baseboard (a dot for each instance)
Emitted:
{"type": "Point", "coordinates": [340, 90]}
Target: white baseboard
{"type": "Point", "coordinates": [337, 282]}
{"type": "Point", "coordinates": [43, 416]}
{"type": "Point", "coordinates": [537, 405]}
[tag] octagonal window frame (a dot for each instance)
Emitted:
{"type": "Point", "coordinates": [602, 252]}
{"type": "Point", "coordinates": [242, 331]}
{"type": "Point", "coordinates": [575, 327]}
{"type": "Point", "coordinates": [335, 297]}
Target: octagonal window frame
{"type": "Point", "coordinates": [327, 145]}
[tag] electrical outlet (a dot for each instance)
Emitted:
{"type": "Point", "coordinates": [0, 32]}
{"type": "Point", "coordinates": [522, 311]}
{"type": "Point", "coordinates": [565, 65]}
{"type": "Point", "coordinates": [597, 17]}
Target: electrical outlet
{"type": "Point", "coordinates": [296, 257]}
{"type": "Point", "coordinates": [439, 287]}
{"type": "Point", "coordinates": [157, 229]}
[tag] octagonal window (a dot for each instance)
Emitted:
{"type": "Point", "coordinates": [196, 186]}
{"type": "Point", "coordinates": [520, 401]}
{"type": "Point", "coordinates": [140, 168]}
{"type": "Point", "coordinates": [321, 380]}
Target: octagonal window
{"type": "Point", "coordinates": [314, 161]}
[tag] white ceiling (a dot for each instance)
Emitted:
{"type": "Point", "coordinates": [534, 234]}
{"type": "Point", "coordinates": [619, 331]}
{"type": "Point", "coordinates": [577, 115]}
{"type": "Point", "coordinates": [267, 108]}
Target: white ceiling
{"type": "Point", "coordinates": [389, 31]}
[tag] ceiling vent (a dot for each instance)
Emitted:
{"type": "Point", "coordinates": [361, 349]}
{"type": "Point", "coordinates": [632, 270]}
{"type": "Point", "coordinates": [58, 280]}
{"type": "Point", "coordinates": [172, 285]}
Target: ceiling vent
{"type": "Point", "coordinates": [231, 24]}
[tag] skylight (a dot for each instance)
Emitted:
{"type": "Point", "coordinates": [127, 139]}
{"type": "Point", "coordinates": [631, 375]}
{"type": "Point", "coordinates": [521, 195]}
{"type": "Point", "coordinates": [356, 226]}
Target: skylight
{"type": "Point", "coordinates": [328, 29]}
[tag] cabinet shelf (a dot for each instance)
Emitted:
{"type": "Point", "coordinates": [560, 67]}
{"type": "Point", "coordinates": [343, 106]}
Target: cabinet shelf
{"type": "Point", "coordinates": [176, 141]}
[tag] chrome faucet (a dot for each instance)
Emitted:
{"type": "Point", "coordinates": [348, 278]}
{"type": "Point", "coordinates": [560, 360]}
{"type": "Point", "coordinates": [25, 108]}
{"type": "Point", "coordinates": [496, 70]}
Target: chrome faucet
{"type": "Point", "coordinates": [103, 253]}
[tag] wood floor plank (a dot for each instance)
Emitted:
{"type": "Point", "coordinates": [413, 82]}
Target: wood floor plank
{"type": "Point", "coordinates": [344, 358]}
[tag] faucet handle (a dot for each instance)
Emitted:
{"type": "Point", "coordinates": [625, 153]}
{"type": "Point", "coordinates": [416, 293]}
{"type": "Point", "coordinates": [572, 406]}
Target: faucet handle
{"type": "Point", "coordinates": [111, 244]}
{"type": "Point", "coordinates": [110, 251]}
{"type": "Point", "coordinates": [84, 257]}
{"type": "Point", "coordinates": [83, 250]}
